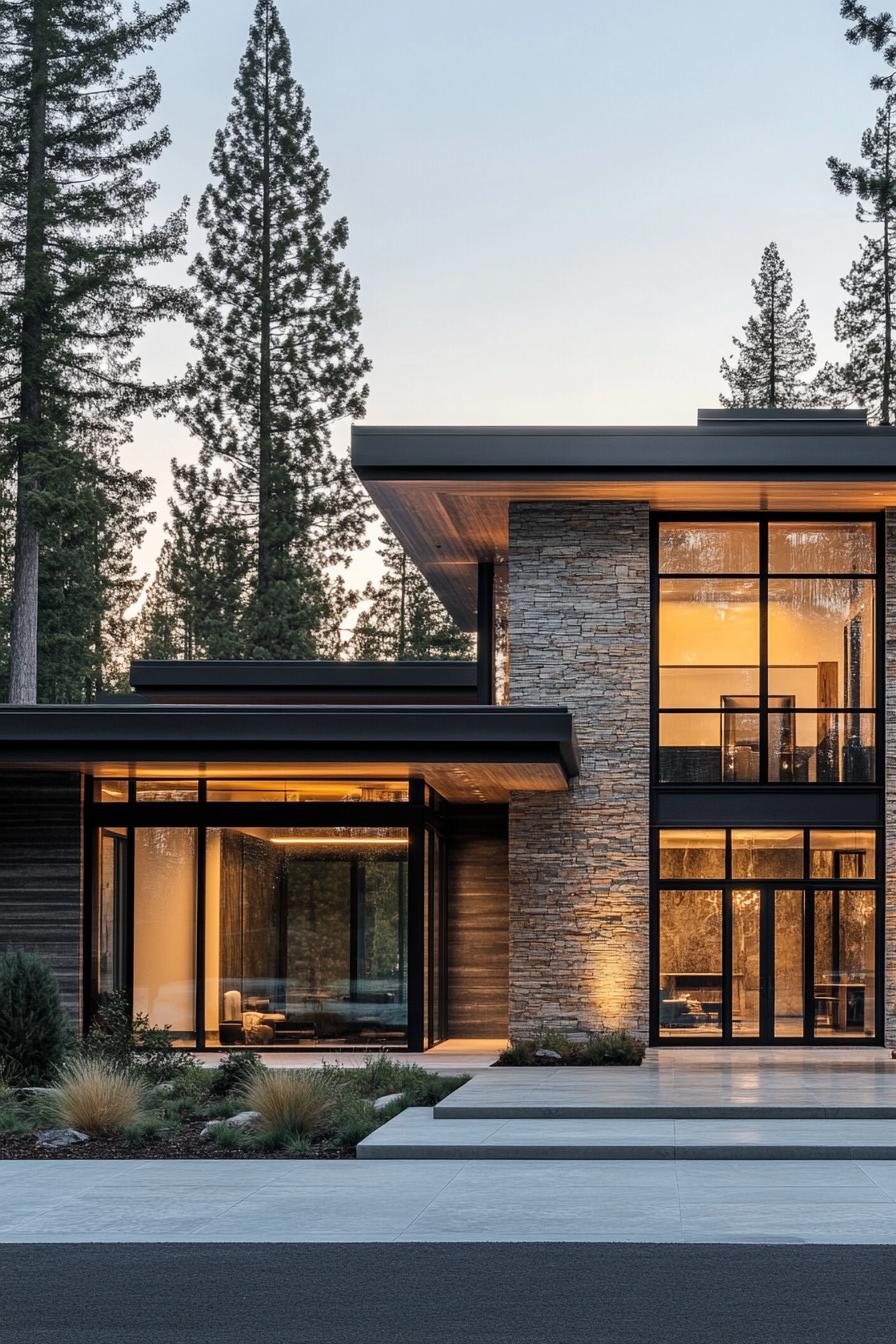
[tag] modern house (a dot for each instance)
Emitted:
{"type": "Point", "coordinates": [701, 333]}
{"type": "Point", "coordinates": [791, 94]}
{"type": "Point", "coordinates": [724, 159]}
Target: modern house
{"type": "Point", "coordinates": [661, 799]}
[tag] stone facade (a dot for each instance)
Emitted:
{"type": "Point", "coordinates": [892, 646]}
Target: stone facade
{"type": "Point", "coordinates": [579, 635]}
{"type": "Point", "coordinates": [889, 989]}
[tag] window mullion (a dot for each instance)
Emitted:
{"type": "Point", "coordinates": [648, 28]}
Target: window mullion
{"type": "Point", "coordinates": [763, 651]}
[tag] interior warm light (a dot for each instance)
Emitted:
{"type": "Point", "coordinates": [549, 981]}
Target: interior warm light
{"type": "Point", "coordinates": [337, 840]}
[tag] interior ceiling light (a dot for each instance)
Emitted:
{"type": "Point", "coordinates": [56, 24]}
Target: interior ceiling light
{"type": "Point", "coordinates": [337, 840]}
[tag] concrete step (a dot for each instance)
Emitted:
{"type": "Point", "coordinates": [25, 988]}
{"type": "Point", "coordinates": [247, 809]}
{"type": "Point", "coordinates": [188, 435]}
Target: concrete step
{"type": "Point", "coordinates": [415, 1134]}
{"type": "Point", "coordinates": [660, 1111]}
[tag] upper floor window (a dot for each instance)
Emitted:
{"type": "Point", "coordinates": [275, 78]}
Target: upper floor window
{"type": "Point", "coordinates": [766, 650]}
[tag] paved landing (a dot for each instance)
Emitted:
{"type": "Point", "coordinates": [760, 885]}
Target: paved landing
{"type": "Point", "coordinates": [249, 1201]}
{"type": "Point", "coordinates": [847, 1089]}
{"type": "Point", "coordinates": [415, 1133]}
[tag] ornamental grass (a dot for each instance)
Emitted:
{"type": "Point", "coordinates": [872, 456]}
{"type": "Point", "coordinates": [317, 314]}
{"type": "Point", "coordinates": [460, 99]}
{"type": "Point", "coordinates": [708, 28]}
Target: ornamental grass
{"type": "Point", "coordinates": [96, 1098]}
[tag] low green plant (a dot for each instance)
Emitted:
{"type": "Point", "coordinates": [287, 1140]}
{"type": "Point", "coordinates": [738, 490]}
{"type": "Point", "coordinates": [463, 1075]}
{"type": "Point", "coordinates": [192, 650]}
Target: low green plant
{"type": "Point", "coordinates": [35, 1032]}
{"type": "Point", "coordinates": [356, 1118]}
{"type": "Point", "coordinates": [292, 1101]}
{"type": "Point", "coordinates": [298, 1147]}
{"type": "Point", "coordinates": [221, 1108]}
{"type": "Point", "coordinates": [129, 1041]}
{"type": "Point", "coordinates": [225, 1136]}
{"type": "Point", "coordinates": [146, 1127]}
{"type": "Point", "coordinates": [517, 1054]}
{"type": "Point", "coordinates": [234, 1072]}
{"type": "Point", "coordinates": [14, 1119]}
{"type": "Point", "coordinates": [613, 1047]}
{"type": "Point", "coordinates": [93, 1097]}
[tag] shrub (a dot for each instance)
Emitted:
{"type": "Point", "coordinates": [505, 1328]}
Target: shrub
{"type": "Point", "coordinates": [234, 1073]}
{"type": "Point", "coordinates": [516, 1054]}
{"type": "Point", "coordinates": [35, 1032]}
{"type": "Point", "coordinates": [291, 1101]}
{"type": "Point", "coordinates": [356, 1118]}
{"type": "Point", "coordinates": [131, 1042]}
{"type": "Point", "coordinates": [613, 1047]}
{"type": "Point", "coordinates": [96, 1098]}
{"type": "Point", "coordinates": [225, 1136]}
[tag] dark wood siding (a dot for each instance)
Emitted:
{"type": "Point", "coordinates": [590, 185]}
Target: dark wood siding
{"type": "Point", "coordinates": [41, 873]}
{"type": "Point", "coordinates": [477, 923]}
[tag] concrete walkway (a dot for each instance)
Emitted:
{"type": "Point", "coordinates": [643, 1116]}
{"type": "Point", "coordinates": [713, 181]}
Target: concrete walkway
{"type": "Point", "coordinates": [254, 1200]}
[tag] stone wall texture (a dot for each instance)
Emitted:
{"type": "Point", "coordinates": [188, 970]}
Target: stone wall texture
{"type": "Point", "coordinates": [890, 794]}
{"type": "Point", "coordinates": [579, 635]}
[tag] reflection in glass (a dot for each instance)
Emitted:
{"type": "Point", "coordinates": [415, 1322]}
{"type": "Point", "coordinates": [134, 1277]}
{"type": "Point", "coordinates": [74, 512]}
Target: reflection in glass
{"type": "Point", "coordinates": [766, 853]}
{"type": "Point", "coordinates": [821, 748]}
{"type": "Point", "coordinates": [788, 982]}
{"type": "Point", "coordinates": [697, 855]}
{"type": "Point", "coordinates": [165, 928]}
{"type": "Point", "coordinates": [844, 989]}
{"type": "Point", "coordinates": [708, 641]}
{"type": "Point", "coordinates": [306, 935]}
{"type": "Point", "coordinates": [307, 791]}
{"type": "Point", "coordinates": [690, 963]}
{"type": "Point", "coordinates": [110, 914]}
{"type": "Point", "coordinates": [745, 978]}
{"type": "Point", "coordinates": [821, 548]}
{"type": "Point", "coordinates": [709, 548]}
{"type": "Point", "coordinates": [167, 791]}
{"type": "Point", "coordinates": [821, 642]}
{"type": "Point", "coordinates": [708, 748]}
{"type": "Point", "coordinates": [110, 790]}
{"type": "Point", "coordinates": [842, 854]}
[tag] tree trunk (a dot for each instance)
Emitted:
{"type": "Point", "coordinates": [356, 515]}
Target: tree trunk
{"type": "Point", "coordinates": [265, 482]}
{"type": "Point", "coordinates": [23, 635]}
{"type": "Point", "coordinates": [402, 606]}
{"type": "Point", "coordinates": [888, 307]}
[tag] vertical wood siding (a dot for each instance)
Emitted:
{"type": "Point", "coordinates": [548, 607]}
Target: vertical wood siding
{"type": "Point", "coordinates": [41, 873]}
{"type": "Point", "coordinates": [477, 925]}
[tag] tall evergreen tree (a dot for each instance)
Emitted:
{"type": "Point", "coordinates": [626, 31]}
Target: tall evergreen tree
{"type": "Point", "coordinates": [279, 357]}
{"type": "Point", "coordinates": [74, 253]}
{"type": "Point", "coordinates": [865, 322]}
{"type": "Point", "coordinates": [199, 588]}
{"type": "Point", "coordinates": [404, 619]}
{"type": "Point", "coordinates": [776, 351]}
{"type": "Point", "coordinates": [878, 30]}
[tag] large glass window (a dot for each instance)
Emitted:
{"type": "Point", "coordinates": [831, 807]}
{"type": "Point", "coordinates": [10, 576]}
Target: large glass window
{"type": "Point", "coordinates": [767, 935]}
{"type": "Point", "coordinates": [306, 936]}
{"type": "Point", "coordinates": [287, 925]}
{"type": "Point", "coordinates": [766, 643]}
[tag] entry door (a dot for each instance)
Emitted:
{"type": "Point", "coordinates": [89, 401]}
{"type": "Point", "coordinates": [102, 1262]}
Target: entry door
{"type": "Point", "coordinates": [764, 951]}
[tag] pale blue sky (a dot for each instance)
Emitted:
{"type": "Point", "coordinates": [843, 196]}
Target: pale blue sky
{"type": "Point", "coordinates": [555, 209]}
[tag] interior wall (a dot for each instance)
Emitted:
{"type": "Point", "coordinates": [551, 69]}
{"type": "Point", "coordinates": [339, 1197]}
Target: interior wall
{"type": "Point", "coordinates": [165, 925]}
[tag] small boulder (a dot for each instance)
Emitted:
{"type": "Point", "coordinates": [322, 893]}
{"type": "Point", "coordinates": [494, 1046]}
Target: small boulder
{"type": "Point", "coordinates": [32, 1093]}
{"type": "Point", "coordinates": [242, 1120]}
{"type": "Point", "coordinates": [550, 1056]}
{"type": "Point", "coordinates": [382, 1102]}
{"type": "Point", "coordinates": [61, 1138]}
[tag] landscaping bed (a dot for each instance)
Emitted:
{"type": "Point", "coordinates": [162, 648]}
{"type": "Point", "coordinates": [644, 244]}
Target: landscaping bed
{"type": "Point", "coordinates": [124, 1091]}
{"type": "Point", "coordinates": [551, 1049]}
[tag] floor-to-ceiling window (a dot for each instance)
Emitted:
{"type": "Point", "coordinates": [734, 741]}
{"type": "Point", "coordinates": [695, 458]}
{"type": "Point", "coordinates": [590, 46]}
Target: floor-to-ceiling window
{"type": "Point", "coordinates": [766, 652]}
{"type": "Point", "coordinates": [767, 904]}
{"type": "Point", "coordinates": [271, 913]}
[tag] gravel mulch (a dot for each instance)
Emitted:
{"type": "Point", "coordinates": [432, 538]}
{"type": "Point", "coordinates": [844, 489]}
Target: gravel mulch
{"type": "Point", "coordinates": [183, 1142]}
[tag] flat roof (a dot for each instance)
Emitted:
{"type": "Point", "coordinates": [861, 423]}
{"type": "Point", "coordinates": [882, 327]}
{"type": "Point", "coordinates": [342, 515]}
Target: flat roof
{"type": "Point", "coordinates": [445, 490]}
{"type": "Point", "coordinates": [467, 753]}
{"type": "Point", "coordinates": [306, 680]}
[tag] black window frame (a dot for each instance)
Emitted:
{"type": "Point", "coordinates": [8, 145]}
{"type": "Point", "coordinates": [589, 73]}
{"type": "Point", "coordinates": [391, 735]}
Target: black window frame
{"type": "Point", "coordinates": [422, 814]}
{"type": "Point", "coordinates": [763, 711]}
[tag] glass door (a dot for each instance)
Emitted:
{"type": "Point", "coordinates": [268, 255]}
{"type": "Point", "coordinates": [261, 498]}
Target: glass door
{"type": "Point", "coordinates": [766, 979]}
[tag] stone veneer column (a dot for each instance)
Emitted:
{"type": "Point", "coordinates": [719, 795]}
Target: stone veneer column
{"type": "Point", "coordinates": [579, 635]}
{"type": "Point", "coordinates": [889, 692]}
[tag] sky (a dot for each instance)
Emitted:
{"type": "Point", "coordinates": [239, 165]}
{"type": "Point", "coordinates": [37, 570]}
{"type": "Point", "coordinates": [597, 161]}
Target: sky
{"type": "Point", "coordinates": [555, 209]}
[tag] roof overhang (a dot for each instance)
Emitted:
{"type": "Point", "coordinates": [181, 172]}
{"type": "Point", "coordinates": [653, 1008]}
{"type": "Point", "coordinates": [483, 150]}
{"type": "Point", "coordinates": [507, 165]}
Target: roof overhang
{"type": "Point", "coordinates": [445, 492]}
{"type": "Point", "coordinates": [308, 681]}
{"type": "Point", "coordinates": [467, 753]}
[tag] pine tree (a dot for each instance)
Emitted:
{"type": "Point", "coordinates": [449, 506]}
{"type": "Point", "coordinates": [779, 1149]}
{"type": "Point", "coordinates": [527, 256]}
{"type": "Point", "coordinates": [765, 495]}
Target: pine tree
{"type": "Point", "coordinates": [777, 350]}
{"type": "Point", "coordinates": [865, 322]}
{"type": "Point", "coordinates": [199, 588]}
{"type": "Point", "coordinates": [404, 619]}
{"type": "Point", "coordinates": [878, 30]}
{"type": "Point", "coordinates": [278, 353]}
{"type": "Point", "coordinates": [74, 252]}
